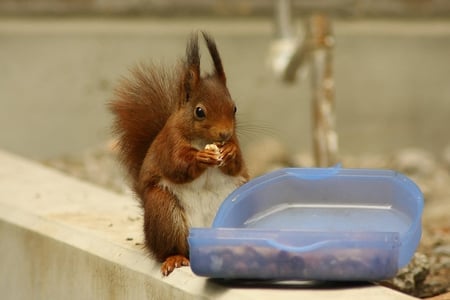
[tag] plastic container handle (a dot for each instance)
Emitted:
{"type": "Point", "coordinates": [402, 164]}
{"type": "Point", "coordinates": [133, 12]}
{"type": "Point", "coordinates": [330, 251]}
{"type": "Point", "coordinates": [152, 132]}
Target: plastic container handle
{"type": "Point", "coordinates": [314, 173]}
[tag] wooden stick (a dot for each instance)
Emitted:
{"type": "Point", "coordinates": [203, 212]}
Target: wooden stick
{"type": "Point", "coordinates": [325, 141]}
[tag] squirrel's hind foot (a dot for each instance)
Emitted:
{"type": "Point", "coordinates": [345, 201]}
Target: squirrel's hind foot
{"type": "Point", "coordinates": [173, 262]}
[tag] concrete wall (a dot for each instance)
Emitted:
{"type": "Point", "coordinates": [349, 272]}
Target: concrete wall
{"type": "Point", "coordinates": [57, 74]}
{"type": "Point", "coordinates": [348, 8]}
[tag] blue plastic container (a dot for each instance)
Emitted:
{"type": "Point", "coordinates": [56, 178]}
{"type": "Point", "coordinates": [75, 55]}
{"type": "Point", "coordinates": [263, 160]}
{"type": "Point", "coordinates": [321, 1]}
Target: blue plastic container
{"type": "Point", "coordinates": [312, 224]}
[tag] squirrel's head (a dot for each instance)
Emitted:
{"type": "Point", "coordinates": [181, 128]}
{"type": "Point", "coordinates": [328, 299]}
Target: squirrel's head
{"type": "Point", "coordinates": [205, 101]}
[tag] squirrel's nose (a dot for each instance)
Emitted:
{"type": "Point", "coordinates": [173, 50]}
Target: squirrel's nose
{"type": "Point", "coordinates": [224, 136]}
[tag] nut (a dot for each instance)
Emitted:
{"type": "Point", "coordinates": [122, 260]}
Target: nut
{"type": "Point", "coordinates": [212, 147]}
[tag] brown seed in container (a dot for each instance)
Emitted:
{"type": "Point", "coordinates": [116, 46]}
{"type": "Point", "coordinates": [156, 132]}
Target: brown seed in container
{"type": "Point", "coordinates": [270, 270]}
{"type": "Point", "coordinates": [240, 268]}
{"type": "Point", "coordinates": [251, 255]}
{"type": "Point", "coordinates": [297, 263]}
{"type": "Point", "coordinates": [282, 256]}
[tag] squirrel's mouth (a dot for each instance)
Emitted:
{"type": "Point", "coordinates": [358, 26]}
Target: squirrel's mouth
{"type": "Point", "coordinates": [201, 144]}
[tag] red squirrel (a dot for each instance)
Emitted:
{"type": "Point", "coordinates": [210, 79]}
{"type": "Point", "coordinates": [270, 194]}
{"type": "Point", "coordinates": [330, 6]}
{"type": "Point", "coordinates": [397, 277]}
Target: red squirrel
{"type": "Point", "coordinates": [177, 139]}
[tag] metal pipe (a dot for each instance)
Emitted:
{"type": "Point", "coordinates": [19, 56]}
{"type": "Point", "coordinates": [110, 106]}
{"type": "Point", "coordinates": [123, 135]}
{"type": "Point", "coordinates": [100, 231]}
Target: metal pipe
{"type": "Point", "coordinates": [283, 19]}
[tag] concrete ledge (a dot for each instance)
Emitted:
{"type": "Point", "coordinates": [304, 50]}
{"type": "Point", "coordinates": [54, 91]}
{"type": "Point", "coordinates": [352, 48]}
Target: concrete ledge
{"type": "Point", "coordinates": [66, 239]}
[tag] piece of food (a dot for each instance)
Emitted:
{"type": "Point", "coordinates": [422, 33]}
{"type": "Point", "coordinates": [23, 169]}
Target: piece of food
{"type": "Point", "coordinates": [212, 147]}
{"type": "Point", "coordinates": [216, 149]}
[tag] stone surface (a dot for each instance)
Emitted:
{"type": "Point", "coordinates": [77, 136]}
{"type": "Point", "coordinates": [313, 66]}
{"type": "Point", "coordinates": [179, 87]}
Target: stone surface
{"type": "Point", "coordinates": [411, 278]}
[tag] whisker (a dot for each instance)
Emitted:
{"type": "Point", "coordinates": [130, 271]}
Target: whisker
{"type": "Point", "coordinates": [255, 130]}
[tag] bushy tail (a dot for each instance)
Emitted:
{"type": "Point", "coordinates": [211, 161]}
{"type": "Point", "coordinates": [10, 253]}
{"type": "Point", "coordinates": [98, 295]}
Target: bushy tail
{"type": "Point", "coordinates": [144, 101]}
{"type": "Point", "coordinates": [142, 104]}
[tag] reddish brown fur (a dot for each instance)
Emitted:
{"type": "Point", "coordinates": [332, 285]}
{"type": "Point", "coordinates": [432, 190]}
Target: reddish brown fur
{"type": "Point", "coordinates": [157, 131]}
{"type": "Point", "coordinates": [142, 105]}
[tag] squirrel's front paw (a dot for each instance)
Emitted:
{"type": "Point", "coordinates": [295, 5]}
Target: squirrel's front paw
{"type": "Point", "coordinates": [209, 156]}
{"type": "Point", "coordinates": [228, 153]}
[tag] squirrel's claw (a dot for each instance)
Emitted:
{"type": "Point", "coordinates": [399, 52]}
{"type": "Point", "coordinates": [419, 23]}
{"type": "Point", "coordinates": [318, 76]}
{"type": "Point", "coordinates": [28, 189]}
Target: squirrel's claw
{"type": "Point", "coordinates": [173, 262]}
{"type": "Point", "coordinates": [228, 153]}
{"type": "Point", "coordinates": [209, 157]}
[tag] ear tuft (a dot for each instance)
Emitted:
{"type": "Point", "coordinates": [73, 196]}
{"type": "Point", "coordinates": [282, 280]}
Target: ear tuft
{"type": "Point", "coordinates": [211, 44]}
{"type": "Point", "coordinates": [192, 66]}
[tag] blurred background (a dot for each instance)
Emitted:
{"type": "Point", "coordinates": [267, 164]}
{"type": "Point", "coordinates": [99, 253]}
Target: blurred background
{"type": "Point", "coordinates": [379, 78]}
{"type": "Point", "coordinates": [60, 60]}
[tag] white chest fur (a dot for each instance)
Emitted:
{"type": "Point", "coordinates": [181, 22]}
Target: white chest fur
{"type": "Point", "coordinates": [202, 197]}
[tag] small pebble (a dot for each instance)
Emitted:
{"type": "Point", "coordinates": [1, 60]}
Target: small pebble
{"type": "Point", "coordinates": [413, 161]}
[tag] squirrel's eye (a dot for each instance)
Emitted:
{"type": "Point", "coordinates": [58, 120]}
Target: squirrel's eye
{"type": "Point", "coordinates": [200, 113]}
{"type": "Point", "coordinates": [235, 109]}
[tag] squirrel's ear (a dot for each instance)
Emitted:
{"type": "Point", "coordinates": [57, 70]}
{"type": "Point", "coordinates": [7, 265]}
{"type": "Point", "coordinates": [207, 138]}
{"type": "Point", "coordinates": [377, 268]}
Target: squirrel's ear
{"type": "Point", "coordinates": [211, 44]}
{"type": "Point", "coordinates": [191, 75]}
